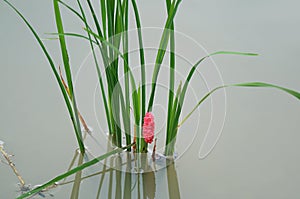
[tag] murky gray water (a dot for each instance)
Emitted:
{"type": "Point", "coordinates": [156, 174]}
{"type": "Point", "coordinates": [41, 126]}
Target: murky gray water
{"type": "Point", "coordinates": [257, 155]}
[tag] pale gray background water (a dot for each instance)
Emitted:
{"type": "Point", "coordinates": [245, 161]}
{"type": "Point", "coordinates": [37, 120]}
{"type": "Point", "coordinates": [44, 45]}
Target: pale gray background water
{"type": "Point", "coordinates": [257, 155]}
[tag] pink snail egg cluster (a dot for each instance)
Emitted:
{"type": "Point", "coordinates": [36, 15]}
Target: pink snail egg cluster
{"type": "Point", "coordinates": [148, 127]}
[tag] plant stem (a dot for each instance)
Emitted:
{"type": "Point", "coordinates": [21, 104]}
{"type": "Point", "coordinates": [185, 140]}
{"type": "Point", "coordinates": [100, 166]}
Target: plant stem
{"type": "Point", "coordinates": [12, 166]}
{"type": "Point", "coordinates": [67, 67]}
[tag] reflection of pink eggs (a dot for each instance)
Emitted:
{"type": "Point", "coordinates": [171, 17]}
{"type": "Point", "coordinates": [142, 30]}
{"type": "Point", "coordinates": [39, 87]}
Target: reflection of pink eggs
{"type": "Point", "coordinates": [148, 127]}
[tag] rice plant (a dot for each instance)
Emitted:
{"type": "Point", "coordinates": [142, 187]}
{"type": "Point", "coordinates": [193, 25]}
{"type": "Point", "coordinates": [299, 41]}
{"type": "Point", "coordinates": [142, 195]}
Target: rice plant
{"type": "Point", "coordinates": [111, 38]}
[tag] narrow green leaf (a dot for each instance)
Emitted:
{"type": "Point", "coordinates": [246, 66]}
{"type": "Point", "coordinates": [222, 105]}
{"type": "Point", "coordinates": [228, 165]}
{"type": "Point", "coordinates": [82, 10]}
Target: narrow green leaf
{"type": "Point", "coordinates": [172, 78]}
{"type": "Point", "coordinates": [162, 50]}
{"type": "Point", "coordinates": [63, 45]}
{"type": "Point", "coordinates": [172, 128]}
{"type": "Point", "coordinates": [68, 72]}
{"type": "Point", "coordinates": [51, 63]}
{"type": "Point", "coordinates": [248, 84]}
{"type": "Point", "coordinates": [95, 18]}
{"type": "Point", "coordinates": [122, 23]}
{"type": "Point", "coordinates": [261, 84]}
{"type": "Point", "coordinates": [142, 55]}
{"type": "Point", "coordinates": [116, 50]}
{"type": "Point", "coordinates": [71, 9]}
{"type": "Point", "coordinates": [73, 171]}
{"type": "Point", "coordinates": [107, 112]}
{"type": "Point", "coordinates": [73, 35]}
{"type": "Point", "coordinates": [110, 24]}
{"type": "Point", "coordinates": [103, 14]}
{"type": "Point", "coordinates": [233, 53]}
{"type": "Point", "coordinates": [193, 69]}
{"type": "Point", "coordinates": [142, 142]}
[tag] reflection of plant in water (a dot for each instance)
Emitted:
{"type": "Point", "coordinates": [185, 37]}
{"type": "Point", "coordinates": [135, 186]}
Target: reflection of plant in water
{"type": "Point", "coordinates": [173, 183]}
{"type": "Point", "coordinates": [128, 185]}
{"type": "Point", "coordinates": [122, 185]}
{"type": "Point", "coordinates": [55, 181]}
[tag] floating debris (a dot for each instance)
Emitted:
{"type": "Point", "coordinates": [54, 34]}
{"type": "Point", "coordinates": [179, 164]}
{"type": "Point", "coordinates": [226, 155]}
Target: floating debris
{"type": "Point", "coordinates": [47, 188]}
{"type": "Point", "coordinates": [154, 150]}
{"type": "Point", "coordinates": [137, 170]}
{"type": "Point", "coordinates": [43, 193]}
{"type": "Point", "coordinates": [24, 188]}
{"type": "Point", "coordinates": [1, 143]}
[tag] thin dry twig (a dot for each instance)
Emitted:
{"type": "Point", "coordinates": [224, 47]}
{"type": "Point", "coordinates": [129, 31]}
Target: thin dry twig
{"type": "Point", "coordinates": [154, 150]}
{"type": "Point", "coordinates": [12, 165]}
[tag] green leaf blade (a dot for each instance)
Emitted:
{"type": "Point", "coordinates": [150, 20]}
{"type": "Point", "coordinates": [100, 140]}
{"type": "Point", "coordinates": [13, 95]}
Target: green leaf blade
{"type": "Point", "coordinates": [267, 85]}
{"type": "Point", "coordinates": [73, 171]}
{"type": "Point", "coordinates": [291, 92]}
